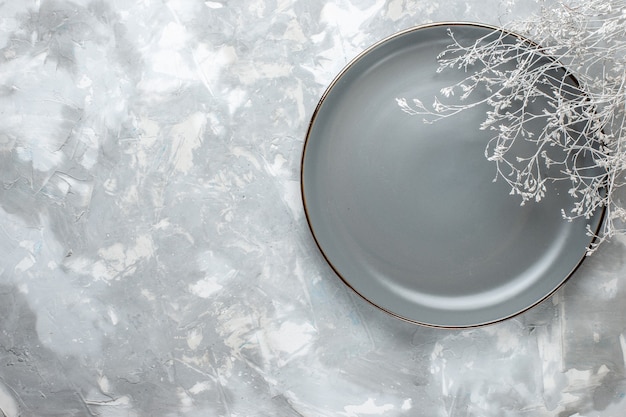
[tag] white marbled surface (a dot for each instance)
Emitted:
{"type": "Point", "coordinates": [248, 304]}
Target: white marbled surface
{"type": "Point", "coordinates": [155, 259]}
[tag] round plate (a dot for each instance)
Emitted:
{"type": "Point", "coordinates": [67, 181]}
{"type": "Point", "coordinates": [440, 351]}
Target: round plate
{"type": "Point", "coordinates": [407, 214]}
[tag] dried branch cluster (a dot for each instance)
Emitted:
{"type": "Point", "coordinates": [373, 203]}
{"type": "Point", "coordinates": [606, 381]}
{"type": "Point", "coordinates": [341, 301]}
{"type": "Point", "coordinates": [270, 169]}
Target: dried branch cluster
{"type": "Point", "coordinates": [565, 95]}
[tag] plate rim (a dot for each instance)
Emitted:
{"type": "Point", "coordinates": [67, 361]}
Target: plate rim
{"type": "Point", "coordinates": [313, 119]}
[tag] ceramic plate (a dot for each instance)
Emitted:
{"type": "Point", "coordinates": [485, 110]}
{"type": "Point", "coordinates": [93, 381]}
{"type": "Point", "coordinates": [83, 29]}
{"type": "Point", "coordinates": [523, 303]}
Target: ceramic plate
{"type": "Point", "coordinates": [407, 214]}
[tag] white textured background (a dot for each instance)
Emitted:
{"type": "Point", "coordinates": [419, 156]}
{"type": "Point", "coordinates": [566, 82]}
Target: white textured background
{"type": "Point", "coordinates": [154, 256]}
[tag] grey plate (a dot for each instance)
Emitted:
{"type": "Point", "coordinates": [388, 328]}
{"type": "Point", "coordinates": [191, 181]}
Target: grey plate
{"type": "Point", "coordinates": [407, 214]}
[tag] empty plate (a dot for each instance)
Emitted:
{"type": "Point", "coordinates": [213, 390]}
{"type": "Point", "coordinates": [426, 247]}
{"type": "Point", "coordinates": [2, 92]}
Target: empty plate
{"type": "Point", "coordinates": [407, 214]}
